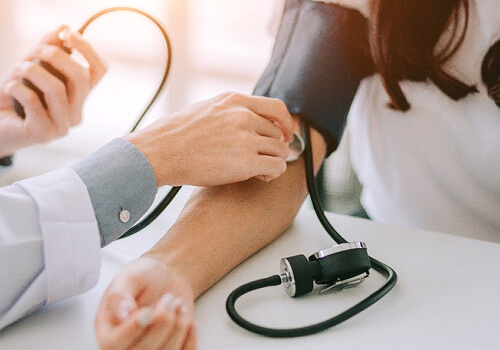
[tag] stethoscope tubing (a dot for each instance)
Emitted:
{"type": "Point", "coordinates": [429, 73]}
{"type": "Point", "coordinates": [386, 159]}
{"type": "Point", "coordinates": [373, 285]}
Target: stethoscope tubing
{"type": "Point", "coordinates": [385, 270]}
{"type": "Point", "coordinates": [149, 218]}
{"type": "Point", "coordinates": [382, 268]}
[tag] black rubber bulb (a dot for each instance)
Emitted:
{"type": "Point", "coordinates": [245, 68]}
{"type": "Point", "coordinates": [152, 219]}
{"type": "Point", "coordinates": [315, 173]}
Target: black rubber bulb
{"type": "Point", "coordinates": [18, 107]}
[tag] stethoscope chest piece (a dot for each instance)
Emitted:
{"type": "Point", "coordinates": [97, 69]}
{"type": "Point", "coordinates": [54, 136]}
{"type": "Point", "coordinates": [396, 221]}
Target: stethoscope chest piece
{"type": "Point", "coordinates": [346, 264]}
{"type": "Point", "coordinates": [297, 147]}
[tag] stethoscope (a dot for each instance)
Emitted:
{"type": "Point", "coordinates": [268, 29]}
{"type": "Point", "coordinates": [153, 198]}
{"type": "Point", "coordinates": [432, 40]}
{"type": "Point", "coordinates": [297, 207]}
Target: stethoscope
{"type": "Point", "coordinates": [342, 264]}
{"type": "Point", "coordinates": [345, 264]}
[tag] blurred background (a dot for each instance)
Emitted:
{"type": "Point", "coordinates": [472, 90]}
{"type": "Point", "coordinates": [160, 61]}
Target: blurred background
{"type": "Point", "coordinates": [218, 45]}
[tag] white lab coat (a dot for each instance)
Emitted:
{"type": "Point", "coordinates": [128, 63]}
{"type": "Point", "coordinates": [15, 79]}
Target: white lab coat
{"type": "Point", "coordinates": [49, 243]}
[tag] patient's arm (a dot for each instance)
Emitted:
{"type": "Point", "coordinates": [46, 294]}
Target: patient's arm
{"type": "Point", "coordinates": [150, 304]}
{"type": "Point", "coordinates": [221, 226]}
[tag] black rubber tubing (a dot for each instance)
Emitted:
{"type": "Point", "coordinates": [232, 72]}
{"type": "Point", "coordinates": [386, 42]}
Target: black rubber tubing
{"type": "Point", "coordinates": [382, 268]}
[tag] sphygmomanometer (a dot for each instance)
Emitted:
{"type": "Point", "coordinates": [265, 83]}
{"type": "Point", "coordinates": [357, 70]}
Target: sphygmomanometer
{"type": "Point", "coordinates": [309, 72]}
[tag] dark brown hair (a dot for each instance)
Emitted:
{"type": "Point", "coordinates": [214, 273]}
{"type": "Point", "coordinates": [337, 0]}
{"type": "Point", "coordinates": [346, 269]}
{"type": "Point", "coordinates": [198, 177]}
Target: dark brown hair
{"type": "Point", "coordinates": [401, 42]}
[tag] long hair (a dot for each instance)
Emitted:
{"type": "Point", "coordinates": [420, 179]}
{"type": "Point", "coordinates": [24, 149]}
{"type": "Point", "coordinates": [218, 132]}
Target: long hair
{"type": "Point", "coordinates": [400, 43]}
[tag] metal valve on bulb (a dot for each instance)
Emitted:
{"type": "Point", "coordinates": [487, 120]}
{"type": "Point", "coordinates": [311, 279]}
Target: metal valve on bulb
{"type": "Point", "coordinates": [343, 265]}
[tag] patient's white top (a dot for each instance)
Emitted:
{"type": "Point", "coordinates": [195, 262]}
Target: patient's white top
{"type": "Point", "coordinates": [436, 166]}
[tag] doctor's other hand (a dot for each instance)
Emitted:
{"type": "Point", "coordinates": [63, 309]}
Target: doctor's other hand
{"type": "Point", "coordinates": [229, 138]}
{"type": "Point", "coordinates": [147, 306]}
{"type": "Point", "coordinates": [63, 101]}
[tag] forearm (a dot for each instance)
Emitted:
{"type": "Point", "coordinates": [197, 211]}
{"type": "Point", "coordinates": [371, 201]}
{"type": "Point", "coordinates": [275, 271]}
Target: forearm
{"type": "Point", "coordinates": [222, 226]}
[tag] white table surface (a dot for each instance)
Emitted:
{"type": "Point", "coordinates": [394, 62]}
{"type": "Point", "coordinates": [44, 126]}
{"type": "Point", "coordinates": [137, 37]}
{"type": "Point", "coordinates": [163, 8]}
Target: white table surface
{"type": "Point", "coordinates": [446, 296]}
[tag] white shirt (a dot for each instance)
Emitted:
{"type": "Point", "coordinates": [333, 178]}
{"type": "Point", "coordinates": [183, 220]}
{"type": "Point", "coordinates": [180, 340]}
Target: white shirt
{"type": "Point", "coordinates": [436, 166]}
{"type": "Point", "coordinates": [49, 243]}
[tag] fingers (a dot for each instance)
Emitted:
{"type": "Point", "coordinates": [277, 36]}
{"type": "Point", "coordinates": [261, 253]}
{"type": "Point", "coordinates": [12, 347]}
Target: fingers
{"type": "Point", "coordinates": [191, 339]}
{"type": "Point", "coordinates": [271, 109]}
{"type": "Point", "coordinates": [250, 121]}
{"type": "Point", "coordinates": [48, 52]}
{"type": "Point", "coordinates": [78, 81]}
{"type": "Point", "coordinates": [97, 66]}
{"type": "Point", "coordinates": [127, 333]}
{"type": "Point", "coordinates": [119, 307]}
{"type": "Point", "coordinates": [269, 167]}
{"type": "Point", "coordinates": [119, 322]}
{"type": "Point", "coordinates": [39, 128]}
{"type": "Point", "coordinates": [170, 326]}
{"type": "Point", "coordinates": [272, 147]}
{"type": "Point", "coordinates": [265, 127]}
{"type": "Point", "coordinates": [272, 152]}
{"type": "Point", "coordinates": [54, 92]}
{"type": "Point", "coordinates": [162, 324]}
{"type": "Point", "coordinates": [180, 333]}
{"type": "Point", "coordinates": [167, 326]}
{"type": "Point", "coordinates": [52, 37]}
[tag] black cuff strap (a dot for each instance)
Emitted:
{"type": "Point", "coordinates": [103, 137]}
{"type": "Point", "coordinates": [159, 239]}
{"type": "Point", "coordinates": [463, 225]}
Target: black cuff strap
{"type": "Point", "coordinates": [310, 69]}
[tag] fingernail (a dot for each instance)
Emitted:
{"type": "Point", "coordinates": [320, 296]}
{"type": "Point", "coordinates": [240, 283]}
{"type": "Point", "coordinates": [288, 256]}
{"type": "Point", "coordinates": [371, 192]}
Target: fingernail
{"type": "Point", "coordinates": [167, 301]}
{"type": "Point", "coordinates": [183, 310]}
{"type": "Point", "coordinates": [177, 304]}
{"type": "Point", "coordinates": [124, 308]}
{"type": "Point", "coordinates": [145, 317]}
{"type": "Point", "coordinates": [64, 34]}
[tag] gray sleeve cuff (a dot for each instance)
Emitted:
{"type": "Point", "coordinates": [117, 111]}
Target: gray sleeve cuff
{"type": "Point", "coordinates": [121, 185]}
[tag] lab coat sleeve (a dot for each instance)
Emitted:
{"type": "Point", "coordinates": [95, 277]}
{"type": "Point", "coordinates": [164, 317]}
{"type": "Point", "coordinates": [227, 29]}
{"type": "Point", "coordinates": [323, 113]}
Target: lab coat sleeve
{"type": "Point", "coordinates": [52, 226]}
{"type": "Point", "coordinates": [49, 243]}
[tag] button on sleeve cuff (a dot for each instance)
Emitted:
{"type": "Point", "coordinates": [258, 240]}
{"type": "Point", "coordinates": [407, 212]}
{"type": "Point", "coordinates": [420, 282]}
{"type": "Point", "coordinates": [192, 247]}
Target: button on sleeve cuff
{"type": "Point", "coordinates": [121, 185]}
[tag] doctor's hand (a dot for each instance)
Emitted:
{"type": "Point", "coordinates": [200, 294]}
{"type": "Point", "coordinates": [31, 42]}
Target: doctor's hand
{"type": "Point", "coordinates": [63, 101]}
{"type": "Point", "coordinates": [147, 306]}
{"type": "Point", "coordinates": [229, 138]}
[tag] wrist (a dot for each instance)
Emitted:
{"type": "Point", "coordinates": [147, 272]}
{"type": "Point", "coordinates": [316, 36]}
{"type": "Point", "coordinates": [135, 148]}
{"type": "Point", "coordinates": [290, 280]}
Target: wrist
{"type": "Point", "coordinates": [158, 154]}
{"type": "Point", "coordinates": [175, 267]}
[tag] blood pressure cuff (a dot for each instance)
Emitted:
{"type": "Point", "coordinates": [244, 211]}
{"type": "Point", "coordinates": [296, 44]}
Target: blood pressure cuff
{"type": "Point", "coordinates": [310, 68]}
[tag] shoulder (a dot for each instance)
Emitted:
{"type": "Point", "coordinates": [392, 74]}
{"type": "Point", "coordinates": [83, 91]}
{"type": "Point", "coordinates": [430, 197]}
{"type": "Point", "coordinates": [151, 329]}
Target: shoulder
{"type": "Point", "coordinates": [361, 5]}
